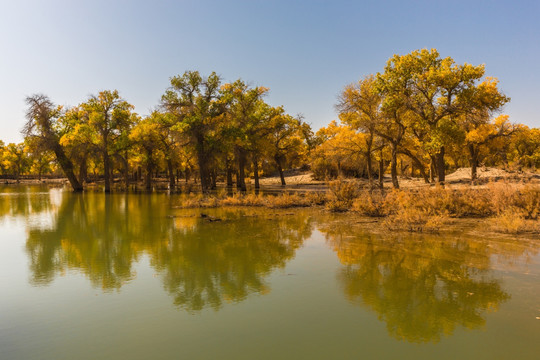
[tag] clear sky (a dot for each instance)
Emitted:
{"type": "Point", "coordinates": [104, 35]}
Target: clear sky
{"type": "Point", "coordinates": [304, 51]}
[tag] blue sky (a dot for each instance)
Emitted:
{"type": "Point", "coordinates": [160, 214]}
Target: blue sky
{"type": "Point", "coordinates": [304, 51]}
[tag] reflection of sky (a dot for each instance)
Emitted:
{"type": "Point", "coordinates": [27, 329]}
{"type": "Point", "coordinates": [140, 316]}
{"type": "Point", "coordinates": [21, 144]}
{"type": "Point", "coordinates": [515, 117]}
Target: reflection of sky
{"type": "Point", "coordinates": [35, 219]}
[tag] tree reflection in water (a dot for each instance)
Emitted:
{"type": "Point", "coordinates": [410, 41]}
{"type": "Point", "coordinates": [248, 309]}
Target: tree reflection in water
{"type": "Point", "coordinates": [421, 286]}
{"type": "Point", "coordinates": [202, 263]}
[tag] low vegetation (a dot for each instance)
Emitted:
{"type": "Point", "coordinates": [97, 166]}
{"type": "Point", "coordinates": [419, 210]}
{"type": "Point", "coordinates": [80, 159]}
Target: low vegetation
{"type": "Point", "coordinates": [509, 208]}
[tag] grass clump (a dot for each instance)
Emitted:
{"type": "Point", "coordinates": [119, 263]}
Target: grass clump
{"type": "Point", "coordinates": [511, 222]}
{"type": "Point", "coordinates": [414, 220]}
{"type": "Point", "coordinates": [372, 204]}
{"type": "Point", "coordinates": [281, 201]}
{"type": "Point", "coordinates": [287, 200]}
{"type": "Point", "coordinates": [341, 195]}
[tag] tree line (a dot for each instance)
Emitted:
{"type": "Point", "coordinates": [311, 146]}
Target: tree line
{"type": "Point", "coordinates": [201, 126]}
{"type": "Point", "coordinates": [421, 116]}
{"type": "Point", "coordinates": [424, 114]}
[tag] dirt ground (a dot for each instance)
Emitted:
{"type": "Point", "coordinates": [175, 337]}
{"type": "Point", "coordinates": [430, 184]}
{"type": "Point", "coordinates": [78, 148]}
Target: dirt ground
{"type": "Point", "coordinates": [460, 177]}
{"type": "Point", "coordinates": [304, 181]}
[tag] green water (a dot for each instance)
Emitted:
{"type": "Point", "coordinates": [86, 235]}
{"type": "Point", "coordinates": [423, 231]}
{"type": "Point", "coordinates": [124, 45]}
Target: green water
{"type": "Point", "coordinates": [89, 276]}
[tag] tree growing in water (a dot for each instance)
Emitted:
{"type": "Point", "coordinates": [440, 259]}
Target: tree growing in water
{"type": "Point", "coordinates": [42, 116]}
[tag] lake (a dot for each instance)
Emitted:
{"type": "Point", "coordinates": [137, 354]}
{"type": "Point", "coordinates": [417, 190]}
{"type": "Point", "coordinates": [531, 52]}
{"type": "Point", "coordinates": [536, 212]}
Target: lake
{"type": "Point", "coordinates": [133, 276]}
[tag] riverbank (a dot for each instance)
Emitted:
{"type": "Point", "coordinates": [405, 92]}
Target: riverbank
{"type": "Point", "coordinates": [509, 202]}
{"type": "Point", "coordinates": [512, 208]}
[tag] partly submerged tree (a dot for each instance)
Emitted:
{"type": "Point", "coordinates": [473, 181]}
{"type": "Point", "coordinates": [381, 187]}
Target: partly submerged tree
{"type": "Point", "coordinates": [42, 116]}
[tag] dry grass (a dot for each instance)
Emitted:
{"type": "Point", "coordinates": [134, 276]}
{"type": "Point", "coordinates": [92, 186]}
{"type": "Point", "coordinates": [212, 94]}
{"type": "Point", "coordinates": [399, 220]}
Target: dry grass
{"type": "Point", "coordinates": [512, 208]}
{"type": "Point", "coordinates": [414, 220]}
{"type": "Point", "coordinates": [251, 200]}
{"type": "Point", "coordinates": [372, 204]}
{"type": "Point", "coordinates": [341, 195]}
{"type": "Point", "coordinates": [511, 222]}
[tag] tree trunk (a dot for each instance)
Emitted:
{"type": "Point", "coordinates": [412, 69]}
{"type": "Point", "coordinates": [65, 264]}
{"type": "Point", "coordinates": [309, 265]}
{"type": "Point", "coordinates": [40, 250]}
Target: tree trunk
{"type": "Point", "coordinates": [148, 182]}
{"type": "Point", "coordinates": [474, 162]}
{"type": "Point", "coordinates": [213, 178]}
{"type": "Point", "coordinates": [126, 171]}
{"type": "Point", "coordinates": [369, 165]}
{"type": "Point", "coordinates": [393, 167]}
{"type": "Point", "coordinates": [203, 172]}
{"type": "Point", "coordinates": [280, 169]}
{"type": "Point", "coordinates": [83, 170]}
{"type": "Point", "coordinates": [381, 172]}
{"type": "Point", "coordinates": [172, 181]}
{"type": "Point", "coordinates": [229, 173]}
{"type": "Point", "coordinates": [67, 168]}
{"type": "Point", "coordinates": [237, 175]}
{"type": "Point", "coordinates": [203, 163]}
{"type": "Point", "coordinates": [440, 166]}
{"type": "Point", "coordinates": [256, 172]}
{"type": "Point", "coordinates": [107, 171]}
{"type": "Point", "coordinates": [369, 147]}
{"type": "Point", "coordinates": [431, 169]}
{"type": "Point", "coordinates": [241, 169]}
{"type": "Point", "coordinates": [418, 164]}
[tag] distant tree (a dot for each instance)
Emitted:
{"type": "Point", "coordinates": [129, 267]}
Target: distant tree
{"type": "Point", "coordinates": [15, 159]}
{"type": "Point", "coordinates": [359, 107]}
{"type": "Point", "coordinates": [40, 159]}
{"type": "Point", "coordinates": [524, 147]}
{"type": "Point", "coordinates": [287, 137]}
{"type": "Point", "coordinates": [145, 135]}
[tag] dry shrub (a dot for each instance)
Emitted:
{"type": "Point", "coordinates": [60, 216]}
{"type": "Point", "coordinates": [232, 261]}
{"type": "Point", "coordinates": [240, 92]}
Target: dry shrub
{"type": "Point", "coordinates": [501, 195]}
{"type": "Point", "coordinates": [468, 203]}
{"type": "Point", "coordinates": [414, 220]}
{"type": "Point", "coordinates": [423, 205]}
{"type": "Point", "coordinates": [199, 201]}
{"type": "Point", "coordinates": [243, 200]}
{"type": "Point", "coordinates": [512, 222]}
{"type": "Point", "coordinates": [527, 199]}
{"type": "Point", "coordinates": [187, 187]}
{"type": "Point", "coordinates": [235, 200]}
{"type": "Point", "coordinates": [253, 200]}
{"type": "Point", "coordinates": [287, 201]}
{"type": "Point", "coordinates": [341, 195]}
{"type": "Point", "coordinates": [416, 211]}
{"type": "Point", "coordinates": [316, 198]}
{"type": "Point", "coordinates": [371, 204]}
{"type": "Point", "coordinates": [443, 202]}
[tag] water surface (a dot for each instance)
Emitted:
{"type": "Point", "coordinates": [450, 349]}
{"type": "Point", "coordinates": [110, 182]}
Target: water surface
{"type": "Point", "coordinates": [133, 276]}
